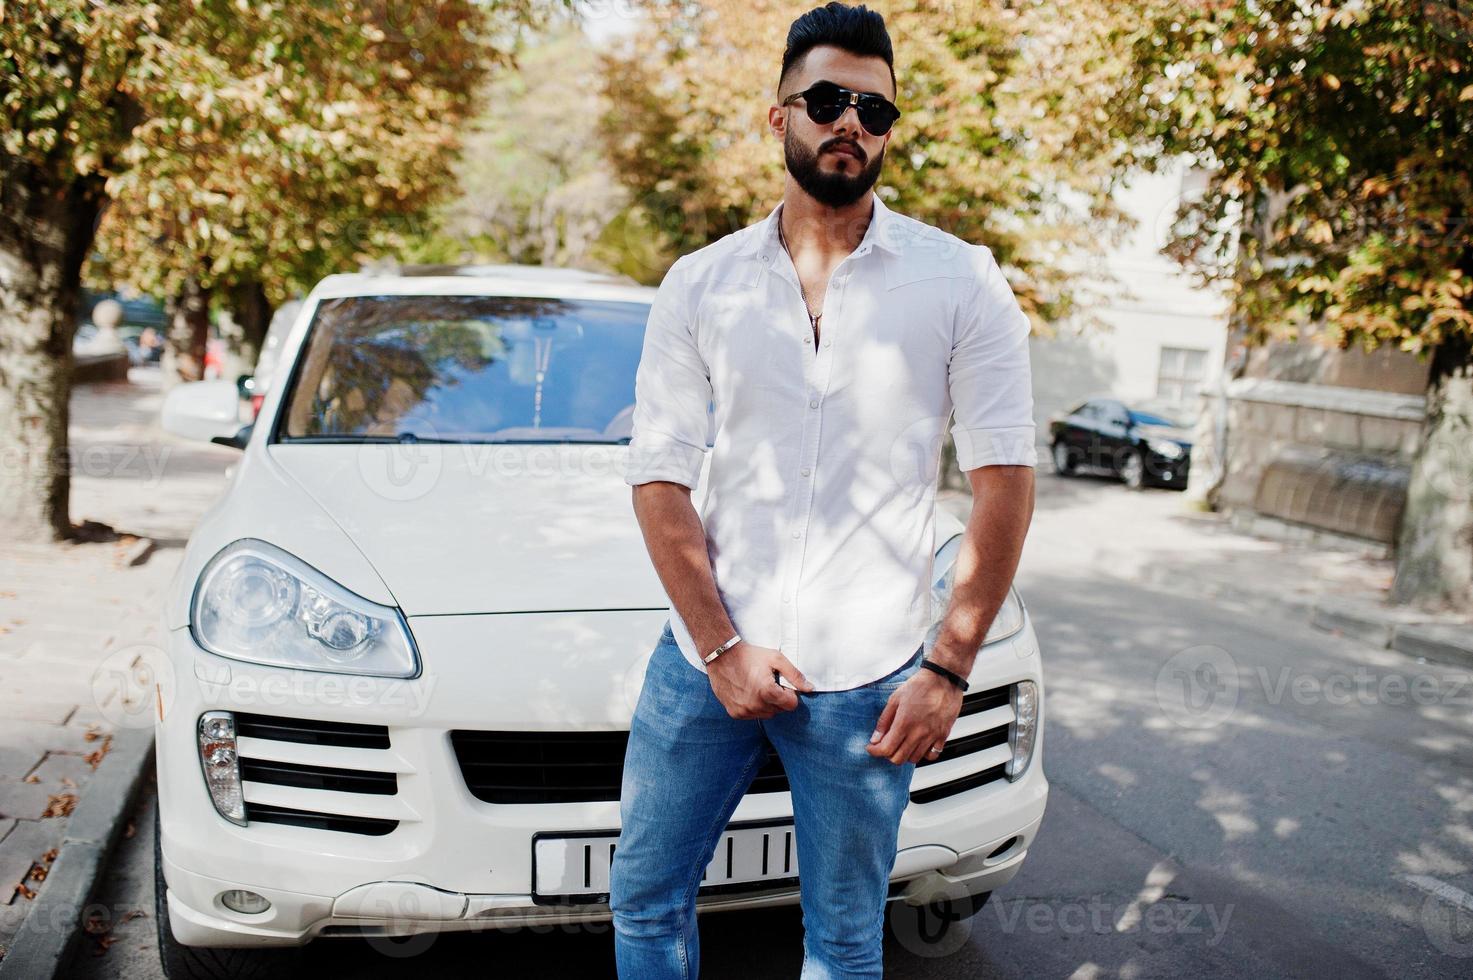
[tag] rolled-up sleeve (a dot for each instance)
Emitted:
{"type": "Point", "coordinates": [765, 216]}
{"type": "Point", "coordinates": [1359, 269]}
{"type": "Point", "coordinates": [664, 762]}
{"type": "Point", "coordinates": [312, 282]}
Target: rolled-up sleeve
{"type": "Point", "coordinates": [989, 375]}
{"type": "Point", "coordinates": [672, 390]}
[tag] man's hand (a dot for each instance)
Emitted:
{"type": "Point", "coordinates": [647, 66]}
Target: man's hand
{"type": "Point", "coordinates": [741, 679]}
{"type": "Point", "coordinates": [918, 715]}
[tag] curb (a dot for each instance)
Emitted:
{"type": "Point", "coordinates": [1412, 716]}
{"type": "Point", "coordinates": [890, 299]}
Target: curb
{"type": "Point", "coordinates": [1403, 630]}
{"type": "Point", "coordinates": [43, 946]}
{"type": "Point", "coordinates": [1446, 644]}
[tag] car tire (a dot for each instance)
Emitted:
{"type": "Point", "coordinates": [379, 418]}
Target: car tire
{"type": "Point", "coordinates": [1064, 464]}
{"type": "Point", "coordinates": [1133, 470]}
{"type": "Point", "coordinates": [182, 962]}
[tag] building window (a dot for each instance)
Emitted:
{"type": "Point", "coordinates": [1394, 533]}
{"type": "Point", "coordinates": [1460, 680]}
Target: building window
{"type": "Point", "coordinates": [1181, 374]}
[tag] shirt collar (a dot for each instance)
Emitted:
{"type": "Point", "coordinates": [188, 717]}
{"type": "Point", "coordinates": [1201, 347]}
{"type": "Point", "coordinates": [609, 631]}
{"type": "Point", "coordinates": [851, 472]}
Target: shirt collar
{"type": "Point", "coordinates": [881, 232]}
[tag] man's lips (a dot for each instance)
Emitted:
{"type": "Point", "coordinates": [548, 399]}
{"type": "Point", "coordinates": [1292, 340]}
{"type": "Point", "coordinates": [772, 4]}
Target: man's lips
{"type": "Point", "coordinates": [847, 150]}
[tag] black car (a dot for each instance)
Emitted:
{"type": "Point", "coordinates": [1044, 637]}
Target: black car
{"type": "Point", "coordinates": [1143, 448]}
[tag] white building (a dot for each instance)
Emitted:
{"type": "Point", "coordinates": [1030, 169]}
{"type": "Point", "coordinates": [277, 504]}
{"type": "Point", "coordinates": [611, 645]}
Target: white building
{"type": "Point", "coordinates": [1163, 337]}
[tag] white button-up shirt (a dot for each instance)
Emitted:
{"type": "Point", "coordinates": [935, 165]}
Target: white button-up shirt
{"type": "Point", "coordinates": [820, 488]}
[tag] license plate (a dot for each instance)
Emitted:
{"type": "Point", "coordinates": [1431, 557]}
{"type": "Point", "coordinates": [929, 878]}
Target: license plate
{"type": "Point", "coordinates": [570, 866]}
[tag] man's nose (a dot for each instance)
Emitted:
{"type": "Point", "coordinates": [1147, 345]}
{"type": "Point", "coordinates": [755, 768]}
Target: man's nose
{"type": "Point", "coordinates": [846, 123]}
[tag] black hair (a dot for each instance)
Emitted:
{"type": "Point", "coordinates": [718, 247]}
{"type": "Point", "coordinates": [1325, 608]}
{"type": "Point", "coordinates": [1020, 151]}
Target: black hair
{"type": "Point", "coordinates": [857, 30]}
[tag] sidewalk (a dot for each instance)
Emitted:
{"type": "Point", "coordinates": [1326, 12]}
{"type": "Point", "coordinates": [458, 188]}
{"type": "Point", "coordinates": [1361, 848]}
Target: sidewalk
{"type": "Point", "coordinates": [1152, 539]}
{"type": "Point", "coordinates": [70, 615]}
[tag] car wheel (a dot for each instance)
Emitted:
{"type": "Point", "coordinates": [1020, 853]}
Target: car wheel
{"type": "Point", "coordinates": [1133, 471]}
{"type": "Point", "coordinates": [182, 962]}
{"type": "Point", "coordinates": [1063, 460]}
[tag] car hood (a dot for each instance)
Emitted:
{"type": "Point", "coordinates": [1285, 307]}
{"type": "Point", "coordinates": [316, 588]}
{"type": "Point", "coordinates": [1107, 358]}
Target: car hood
{"type": "Point", "coordinates": [457, 529]}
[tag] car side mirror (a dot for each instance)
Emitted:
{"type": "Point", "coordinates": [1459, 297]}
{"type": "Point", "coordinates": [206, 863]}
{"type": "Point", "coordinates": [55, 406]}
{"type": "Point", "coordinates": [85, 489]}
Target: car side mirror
{"type": "Point", "coordinates": [202, 409]}
{"type": "Point", "coordinates": [237, 441]}
{"type": "Point", "coordinates": [245, 384]}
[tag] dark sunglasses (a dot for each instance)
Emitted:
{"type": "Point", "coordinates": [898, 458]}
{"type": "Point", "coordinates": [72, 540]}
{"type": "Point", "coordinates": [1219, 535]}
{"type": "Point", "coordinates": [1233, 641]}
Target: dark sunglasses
{"type": "Point", "coordinates": [826, 102]}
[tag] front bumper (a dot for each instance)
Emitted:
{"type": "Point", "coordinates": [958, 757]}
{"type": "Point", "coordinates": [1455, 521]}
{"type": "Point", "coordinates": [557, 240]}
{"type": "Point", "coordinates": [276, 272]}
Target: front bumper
{"type": "Point", "coordinates": [449, 861]}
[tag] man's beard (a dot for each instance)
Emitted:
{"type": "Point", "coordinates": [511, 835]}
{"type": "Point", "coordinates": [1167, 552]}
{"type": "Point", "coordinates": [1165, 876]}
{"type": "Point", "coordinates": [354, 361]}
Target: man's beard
{"type": "Point", "coordinates": [834, 189]}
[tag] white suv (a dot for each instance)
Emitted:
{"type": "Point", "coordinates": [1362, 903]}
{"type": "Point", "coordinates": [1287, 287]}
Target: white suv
{"type": "Point", "coordinates": [408, 640]}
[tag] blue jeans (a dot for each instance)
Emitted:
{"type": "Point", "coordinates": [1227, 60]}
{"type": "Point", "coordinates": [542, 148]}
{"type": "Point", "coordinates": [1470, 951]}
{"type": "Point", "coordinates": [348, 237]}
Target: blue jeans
{"type": "Point", "coordinates": [688, 765]}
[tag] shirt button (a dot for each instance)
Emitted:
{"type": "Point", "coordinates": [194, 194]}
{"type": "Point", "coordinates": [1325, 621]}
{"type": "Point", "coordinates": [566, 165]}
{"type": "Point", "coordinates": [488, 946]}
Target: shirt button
{"type": "Point", "coordinates": [805, 471]}
{"type": "Point", "coordinates": [787, 598]}
{"type": "Point", "coordinates": [807, 340]}
{"type": "Point", "coordinates": [813, 402]}
{"type": "Point", "coordinates": [797, 534]}
{"type": "Point", "coordinates": [826, 343]}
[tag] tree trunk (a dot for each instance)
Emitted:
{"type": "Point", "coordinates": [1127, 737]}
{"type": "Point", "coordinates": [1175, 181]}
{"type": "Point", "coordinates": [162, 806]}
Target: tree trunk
{"type": "Point", "coordinates": [1434, 553]}
{"type": "Point", "coordinates": [188, 333]}
{"type": "Point", "coordinates": [253, 312]}
{"type": "Point", "coordinates": [46, 232]}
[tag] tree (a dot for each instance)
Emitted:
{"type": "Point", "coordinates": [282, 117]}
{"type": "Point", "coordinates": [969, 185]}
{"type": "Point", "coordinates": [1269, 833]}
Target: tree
{"type": "Point", "coordinates": [307, 164]}
{"type": "Point", "coordinates": [1000, 141]}
{"type": "Point", "coordinates": [1339, 136]}
{"type": "Point", "coordinates": [533, 184]}
{"type": "Point", "coordinates": [91, 88]}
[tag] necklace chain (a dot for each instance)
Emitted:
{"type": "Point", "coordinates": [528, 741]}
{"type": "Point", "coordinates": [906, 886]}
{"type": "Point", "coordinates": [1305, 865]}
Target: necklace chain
{"type": "Point", "coordinates": [812, 318]}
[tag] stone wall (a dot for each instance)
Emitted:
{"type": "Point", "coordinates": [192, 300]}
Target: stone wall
{"type": "Point", "coordinates": [1330, 457]}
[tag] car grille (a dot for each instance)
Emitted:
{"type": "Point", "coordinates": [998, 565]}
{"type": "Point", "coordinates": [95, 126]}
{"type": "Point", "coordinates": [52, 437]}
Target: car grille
{"type": "Point", "coordinates": [323, 775]}
{"type": "Point", "coordinates": [587, 767]}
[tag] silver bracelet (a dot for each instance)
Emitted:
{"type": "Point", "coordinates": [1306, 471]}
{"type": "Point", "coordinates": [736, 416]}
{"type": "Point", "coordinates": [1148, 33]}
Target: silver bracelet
{"type": "Point", "coordinates": [736, 638]}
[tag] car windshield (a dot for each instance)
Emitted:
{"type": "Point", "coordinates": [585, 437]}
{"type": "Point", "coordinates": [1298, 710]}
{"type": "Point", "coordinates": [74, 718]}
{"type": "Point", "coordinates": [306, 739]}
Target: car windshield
{"type": "Point", "coordinates": [1149, 418]}
{"type": "Point", "coordinates": [466, 369]}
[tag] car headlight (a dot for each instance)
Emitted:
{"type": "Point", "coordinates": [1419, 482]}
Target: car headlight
{"type": "Point", "coordinates": [1161, 447]}
{"type": "Point", "coordinates": [1009, 618]}
{"type": "Point", "coordinates": [257, 603]}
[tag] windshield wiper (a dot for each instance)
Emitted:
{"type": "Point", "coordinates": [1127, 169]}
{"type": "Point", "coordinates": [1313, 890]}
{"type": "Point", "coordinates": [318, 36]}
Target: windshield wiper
{"type": "Point", "coordinates": [349, 438]}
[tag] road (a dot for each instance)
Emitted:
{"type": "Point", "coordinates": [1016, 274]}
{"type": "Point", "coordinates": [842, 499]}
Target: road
{"type": "Point", "coordinates": [1234, 794]}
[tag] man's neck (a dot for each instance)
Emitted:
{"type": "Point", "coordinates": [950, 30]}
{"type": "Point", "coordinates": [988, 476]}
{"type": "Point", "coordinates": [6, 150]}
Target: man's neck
{"type": "Point", "coordinates": [811, 228]}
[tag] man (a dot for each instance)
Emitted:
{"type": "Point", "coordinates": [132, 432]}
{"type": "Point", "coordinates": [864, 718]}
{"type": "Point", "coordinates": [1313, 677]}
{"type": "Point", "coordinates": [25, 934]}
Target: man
{"type": "Point", "coordinates": [835, 339]}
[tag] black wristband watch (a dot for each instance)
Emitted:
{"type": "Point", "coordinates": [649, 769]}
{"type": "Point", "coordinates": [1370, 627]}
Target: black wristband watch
{"type": "Point", "coordinates": [949, 675]}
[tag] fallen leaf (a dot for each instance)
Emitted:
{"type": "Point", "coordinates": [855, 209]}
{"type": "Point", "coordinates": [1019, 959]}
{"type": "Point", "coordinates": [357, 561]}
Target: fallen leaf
{"type": "Point", "coordinates": [60, 805]}
{"type": "Point", "coordinates": [94, 758]}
